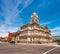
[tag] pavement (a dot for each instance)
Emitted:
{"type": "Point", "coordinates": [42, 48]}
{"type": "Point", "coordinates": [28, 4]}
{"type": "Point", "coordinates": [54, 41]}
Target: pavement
{"type": "Point", "coordinates": [7, 48]}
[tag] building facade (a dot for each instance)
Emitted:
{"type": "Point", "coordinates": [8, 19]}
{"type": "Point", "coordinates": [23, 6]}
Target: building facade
{"type": "Point", "coordinates": [33, 33]}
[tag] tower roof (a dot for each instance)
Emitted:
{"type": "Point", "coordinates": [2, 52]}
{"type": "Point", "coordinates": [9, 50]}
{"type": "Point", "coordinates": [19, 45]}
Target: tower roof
{"type": "Point", "coordinates": [34, 13]}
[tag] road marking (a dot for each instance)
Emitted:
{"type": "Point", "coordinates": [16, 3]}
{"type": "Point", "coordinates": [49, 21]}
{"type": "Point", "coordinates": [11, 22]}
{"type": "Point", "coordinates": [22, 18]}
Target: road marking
{"type": "Point", "coordinates": [50, 50]}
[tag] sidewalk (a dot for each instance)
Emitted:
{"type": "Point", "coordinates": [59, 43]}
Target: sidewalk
{"type": "Point", "coordinates": [51, 44]}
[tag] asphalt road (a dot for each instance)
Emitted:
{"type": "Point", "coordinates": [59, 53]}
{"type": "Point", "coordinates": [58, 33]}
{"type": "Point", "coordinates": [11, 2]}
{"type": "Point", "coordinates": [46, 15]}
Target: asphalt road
{"type": "Point", "coordinates": [6, 48]}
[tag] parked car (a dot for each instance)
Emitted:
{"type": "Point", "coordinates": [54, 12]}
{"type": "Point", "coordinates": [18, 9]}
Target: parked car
{"type": "Point", "coordinates": [58, 43]}
{"type": "Point", "coordinates": [13, 42]}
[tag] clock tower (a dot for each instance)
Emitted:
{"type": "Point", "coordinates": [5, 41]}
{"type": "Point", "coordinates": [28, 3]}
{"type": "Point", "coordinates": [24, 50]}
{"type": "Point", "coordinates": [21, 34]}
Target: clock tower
{"type": "Point", "coordinates": [34, 18]}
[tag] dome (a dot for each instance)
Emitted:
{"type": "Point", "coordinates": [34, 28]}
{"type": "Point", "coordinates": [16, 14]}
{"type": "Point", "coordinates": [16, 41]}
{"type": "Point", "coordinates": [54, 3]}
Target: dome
{"type": "Point", "coordinates": [34, 13]}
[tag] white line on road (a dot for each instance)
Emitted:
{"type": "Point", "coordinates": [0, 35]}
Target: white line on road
{"type": "Point", "coordinates": [50, 50]}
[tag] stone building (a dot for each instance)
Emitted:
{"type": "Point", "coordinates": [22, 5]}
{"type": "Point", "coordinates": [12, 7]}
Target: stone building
{"type": "Point", "coordinates": [33, 33]}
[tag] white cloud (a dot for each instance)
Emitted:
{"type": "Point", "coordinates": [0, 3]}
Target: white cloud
{"type": "Point", "coordinates": [3, 34]}
{"type": "Point", "coordinates": [10, 9]}
{"type": "Point", "coordinates": [45, 23]}
{"type": "Point", "coordinates": [56, 28]}
{"type": "Point", "coordinates": [10, 13]}
{"type": "Point", "coordinates": [25, 5]}
{"type": "Point", "coordinates": [4, 29]}
{"type": "Point", "coordinates": [56, 31]}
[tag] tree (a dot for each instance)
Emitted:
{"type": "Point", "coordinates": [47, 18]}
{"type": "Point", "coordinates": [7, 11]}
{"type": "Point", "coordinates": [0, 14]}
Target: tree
{"type": "Point", "coordinates": [56, 41]}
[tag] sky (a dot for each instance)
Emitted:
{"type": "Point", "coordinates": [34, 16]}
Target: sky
{"type": "Point", "coordinates": [16, 13]}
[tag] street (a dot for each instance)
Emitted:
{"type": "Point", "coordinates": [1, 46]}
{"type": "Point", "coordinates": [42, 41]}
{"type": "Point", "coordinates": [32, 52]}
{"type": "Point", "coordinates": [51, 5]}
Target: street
{"type": "Point", "coordinates": [7, 48]}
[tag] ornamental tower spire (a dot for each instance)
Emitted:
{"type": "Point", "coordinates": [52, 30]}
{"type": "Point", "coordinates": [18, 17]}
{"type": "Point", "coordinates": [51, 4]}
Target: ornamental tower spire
{"type": "Point", "coordinates": [34, 18]}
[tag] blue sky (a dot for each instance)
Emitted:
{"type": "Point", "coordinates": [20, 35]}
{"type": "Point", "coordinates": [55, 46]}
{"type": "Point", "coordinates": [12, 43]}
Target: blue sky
{"type": "Point", "coordinates": [15, 13]}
